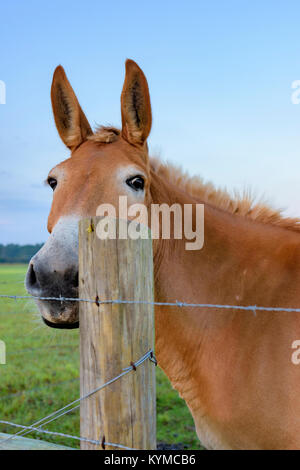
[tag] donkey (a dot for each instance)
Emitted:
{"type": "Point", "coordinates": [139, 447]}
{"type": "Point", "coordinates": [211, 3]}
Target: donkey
{"type": "Point", "coordinates": [232, 368]}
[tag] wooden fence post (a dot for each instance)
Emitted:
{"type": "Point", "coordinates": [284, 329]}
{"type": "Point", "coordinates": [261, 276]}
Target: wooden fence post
{"type": "Point", "coordinates": [114, 335]}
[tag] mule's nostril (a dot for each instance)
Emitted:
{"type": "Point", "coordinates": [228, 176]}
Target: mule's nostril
{"type": "Point", "coordinates": [32, 280]}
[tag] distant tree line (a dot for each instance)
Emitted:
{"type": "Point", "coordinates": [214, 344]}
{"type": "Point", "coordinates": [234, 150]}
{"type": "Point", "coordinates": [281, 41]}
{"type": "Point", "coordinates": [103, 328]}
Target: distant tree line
{"type": "Point", "coordinates": [17, 253]}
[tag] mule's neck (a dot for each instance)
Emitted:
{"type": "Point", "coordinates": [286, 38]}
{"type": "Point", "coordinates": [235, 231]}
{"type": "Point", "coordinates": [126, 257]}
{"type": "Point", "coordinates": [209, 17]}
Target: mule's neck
{"type": "Point", "coordinates": [233, 268]}
{"type": "Point", "coordinates": [232, 244]}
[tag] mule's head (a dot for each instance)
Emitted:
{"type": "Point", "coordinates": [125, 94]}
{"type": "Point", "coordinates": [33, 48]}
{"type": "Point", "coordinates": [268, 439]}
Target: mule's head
{"type": "Point", "coordinates": [103, 166]}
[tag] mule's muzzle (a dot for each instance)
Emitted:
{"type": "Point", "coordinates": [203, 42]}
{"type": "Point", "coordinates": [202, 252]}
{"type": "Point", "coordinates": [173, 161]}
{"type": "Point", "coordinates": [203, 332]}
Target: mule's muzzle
{"type": "Point", "coordinates": [42, 281]}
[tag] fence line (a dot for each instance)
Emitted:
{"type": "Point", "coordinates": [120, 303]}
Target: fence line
{"type": "Point", "coordinates": [69, 436]}
{"type": "Point", "coordinates": [76, 403]}
{"type": "Point", "coordinates": [176, 303]}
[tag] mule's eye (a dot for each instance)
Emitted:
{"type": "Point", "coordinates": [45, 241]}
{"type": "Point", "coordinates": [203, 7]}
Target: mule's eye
{"type": "Point", "coordinates": [52, 183]}
{"type": "Point", "coordinates": [136, 182]}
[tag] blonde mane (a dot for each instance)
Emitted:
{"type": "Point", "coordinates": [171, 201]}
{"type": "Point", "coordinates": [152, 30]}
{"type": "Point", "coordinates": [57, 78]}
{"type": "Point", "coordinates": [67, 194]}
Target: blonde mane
{"type": "Point", "coordinates": [241, 204]}
{"type": "Point", "coordinates": [244, 205]}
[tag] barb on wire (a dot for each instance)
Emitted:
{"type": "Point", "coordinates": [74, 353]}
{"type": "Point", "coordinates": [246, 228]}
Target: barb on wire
{"type": "Point", "coordinates": [60, 434]}
{"type": "Point", "coordinates": [76, 403]}
{"type": "Point", "coordinates": [98, 302]}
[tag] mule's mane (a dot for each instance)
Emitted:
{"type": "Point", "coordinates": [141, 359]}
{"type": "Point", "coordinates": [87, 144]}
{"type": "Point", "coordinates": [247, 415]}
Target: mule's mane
{"type": "Point", "coordinates": [105, 135]}
{"type": "Point", "coordinates": [241, 204]}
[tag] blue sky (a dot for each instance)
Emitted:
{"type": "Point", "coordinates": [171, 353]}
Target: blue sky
{"type": "Point", "coordinates": [220, 75]}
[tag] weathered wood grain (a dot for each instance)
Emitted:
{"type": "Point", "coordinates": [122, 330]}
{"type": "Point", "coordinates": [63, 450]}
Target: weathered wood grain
{"type": "Point", "coordinates": [111, 336]}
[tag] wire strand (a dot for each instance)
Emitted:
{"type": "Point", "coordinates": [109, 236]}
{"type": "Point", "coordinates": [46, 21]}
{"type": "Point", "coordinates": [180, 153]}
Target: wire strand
{"type": "Point", "coordinates": [60, 434]}
{"type": "Point", "coordinates": [252, 308]}
{"type": "Point", "coordinates": [69, 407]}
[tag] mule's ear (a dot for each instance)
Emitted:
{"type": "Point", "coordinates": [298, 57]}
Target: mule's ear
{"type": "Point", "coordinates": [70, 120]}
{"type": "Point", "coordinates": [135, 105]}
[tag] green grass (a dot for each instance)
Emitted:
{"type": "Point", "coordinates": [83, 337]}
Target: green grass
{"type": "Point", "coordinates": [42, 373]}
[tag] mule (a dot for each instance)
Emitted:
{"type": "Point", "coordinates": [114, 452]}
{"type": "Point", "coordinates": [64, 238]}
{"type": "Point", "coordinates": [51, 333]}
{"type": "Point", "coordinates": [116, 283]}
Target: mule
{"type": "Point", "coordinates": [232, 368]}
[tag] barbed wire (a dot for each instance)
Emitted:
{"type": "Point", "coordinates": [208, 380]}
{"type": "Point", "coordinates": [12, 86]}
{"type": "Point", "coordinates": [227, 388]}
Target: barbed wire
{"type": "Point", "coordinates": [76, 403]}
{"type": "Point", "coordinates": [176, 303]}
{"type": "Point", "coordinates": [69, 436]}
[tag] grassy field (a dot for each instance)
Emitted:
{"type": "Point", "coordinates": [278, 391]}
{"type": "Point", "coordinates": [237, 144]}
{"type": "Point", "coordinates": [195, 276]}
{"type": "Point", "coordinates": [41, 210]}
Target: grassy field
{"type": "Point", "coordinates": [42, 373]}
